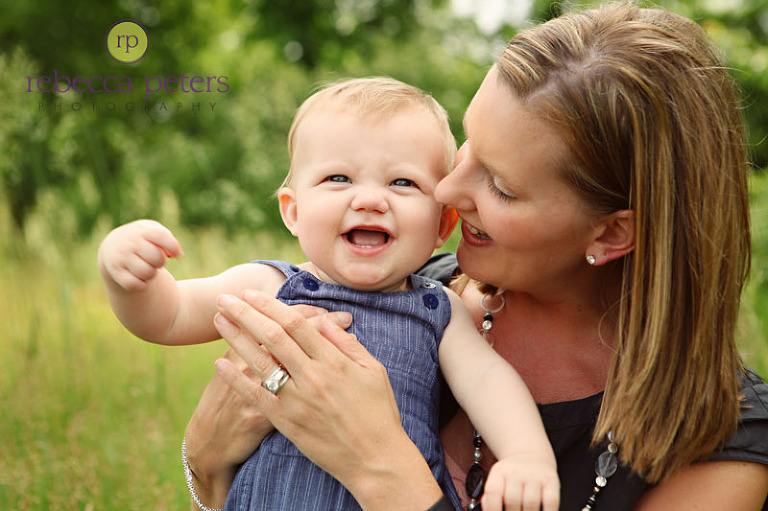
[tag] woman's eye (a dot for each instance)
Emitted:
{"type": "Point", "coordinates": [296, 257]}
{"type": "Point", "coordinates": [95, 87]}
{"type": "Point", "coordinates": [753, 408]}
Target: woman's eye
{"type": "Point", "coordinates": [402, 182]}
{"type": "Point", "coordinates": [504, 196]}
{"type": "Point", "coordinates": [339, 178]}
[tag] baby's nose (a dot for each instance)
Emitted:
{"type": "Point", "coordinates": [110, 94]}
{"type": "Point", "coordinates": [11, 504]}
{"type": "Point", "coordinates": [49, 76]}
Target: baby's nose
{"type": "Point", "coordinates": [370, 198]}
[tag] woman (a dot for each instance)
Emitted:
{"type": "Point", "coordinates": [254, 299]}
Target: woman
{"type": "Point", "coordinates": [603, 192]}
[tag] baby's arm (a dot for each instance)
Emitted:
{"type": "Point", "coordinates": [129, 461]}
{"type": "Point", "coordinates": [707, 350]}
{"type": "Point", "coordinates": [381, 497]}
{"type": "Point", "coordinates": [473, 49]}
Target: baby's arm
{"type": "Point", "coordinates": [503, 411]}
{"type": "Point", "coordinates": [149, 301]}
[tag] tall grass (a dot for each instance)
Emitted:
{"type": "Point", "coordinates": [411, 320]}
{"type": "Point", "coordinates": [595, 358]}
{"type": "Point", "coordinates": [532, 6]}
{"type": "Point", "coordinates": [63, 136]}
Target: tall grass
{"type": "Point", "coordinates": [753, 332]}
{"type": "Point", "coordinates": [92, 418]}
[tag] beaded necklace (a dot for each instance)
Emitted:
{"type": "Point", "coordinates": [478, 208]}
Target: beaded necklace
{"type": "Point", "coordinates": [606, 465]}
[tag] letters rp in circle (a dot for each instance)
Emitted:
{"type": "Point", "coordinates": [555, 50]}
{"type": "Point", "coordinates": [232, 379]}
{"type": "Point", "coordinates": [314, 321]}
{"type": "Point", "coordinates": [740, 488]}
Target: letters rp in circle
{"type": "Point", "coordinates": [127, 41]}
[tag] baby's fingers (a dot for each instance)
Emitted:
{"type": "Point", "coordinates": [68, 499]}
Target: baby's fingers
{"type": "Point", "coordinates": [159, 235]}
{"type": "Point", "coordinates": [515, 485]}
{"type": "Point", "coordinates": [133, 274]}
{"type": "Point", "coordinates": [141, 267]}
{"type": "Point", "coordinates": [550, 496]}
{"type": "Point", "coordinates": [531, 497]}
{"type": "Point", "coordinates": [502, 494]}
{"type": "Point", "coordinates": [511, 495]}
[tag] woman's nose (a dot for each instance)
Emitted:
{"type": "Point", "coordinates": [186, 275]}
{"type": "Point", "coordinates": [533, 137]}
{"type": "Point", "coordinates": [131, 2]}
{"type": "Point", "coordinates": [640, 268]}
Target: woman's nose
{"type": "Point", "coordinates": [370, 198]}
{"type": "Point", "coordinates": [455, 189]}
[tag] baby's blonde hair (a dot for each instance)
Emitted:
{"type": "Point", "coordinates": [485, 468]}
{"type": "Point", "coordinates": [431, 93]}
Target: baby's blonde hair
{"type": "Point", "coordinates": [375, 99]}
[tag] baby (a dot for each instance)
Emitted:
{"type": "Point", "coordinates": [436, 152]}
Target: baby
{"type": "Point", "coordinates": [366, 155]}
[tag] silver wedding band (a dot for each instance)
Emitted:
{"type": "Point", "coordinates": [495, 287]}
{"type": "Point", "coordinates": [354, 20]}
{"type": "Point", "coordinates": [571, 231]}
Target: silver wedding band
{"type": "Point", "coordinates": [275, 381]}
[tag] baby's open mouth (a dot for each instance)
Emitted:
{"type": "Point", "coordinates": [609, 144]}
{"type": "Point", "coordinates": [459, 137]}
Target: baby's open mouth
{"type": "Point", "coordinates": [367, 237]}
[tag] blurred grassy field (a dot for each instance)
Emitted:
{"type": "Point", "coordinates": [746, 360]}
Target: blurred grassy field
{"type": "Point", "coordinates": [91, 418]}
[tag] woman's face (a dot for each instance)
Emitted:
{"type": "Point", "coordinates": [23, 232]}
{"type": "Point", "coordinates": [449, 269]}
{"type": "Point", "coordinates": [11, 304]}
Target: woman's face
{"type": "Point", "coordinates": [523, 227]}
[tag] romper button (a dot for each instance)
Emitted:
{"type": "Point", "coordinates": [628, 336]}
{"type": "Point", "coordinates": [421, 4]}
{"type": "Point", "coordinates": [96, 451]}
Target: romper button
{"type": "Point", "coordinates": [429, 285]}
{"type": "Point", "coordinates": [311, 284]}
{"type": "Point", "coordinates": [293, 267]}
{"type": "Point", "coordinates": [431, 301]}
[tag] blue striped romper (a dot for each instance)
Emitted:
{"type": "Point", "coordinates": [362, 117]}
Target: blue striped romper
{"type": "Point", "coordinates": [402, 330]}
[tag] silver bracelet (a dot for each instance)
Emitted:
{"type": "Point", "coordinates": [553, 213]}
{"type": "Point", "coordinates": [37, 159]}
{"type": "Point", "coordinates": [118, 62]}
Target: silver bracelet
{"type": "Point", "coordinates": [190, 482]}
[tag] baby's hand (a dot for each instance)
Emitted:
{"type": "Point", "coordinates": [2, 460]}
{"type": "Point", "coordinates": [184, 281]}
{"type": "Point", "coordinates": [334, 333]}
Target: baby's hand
{"type": "Point", "coordinates": [522, 483]}
{"type": "Point", "coordinates": [132, 254]}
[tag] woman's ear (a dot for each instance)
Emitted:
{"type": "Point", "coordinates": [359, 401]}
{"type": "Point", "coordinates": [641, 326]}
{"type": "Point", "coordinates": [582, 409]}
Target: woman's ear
{"type": "Point", "coordinates": [615, 238]}
{"type": "Point", "coordinates": [288, 209]}
{"type": "Point", "coordinates": [448, 220]}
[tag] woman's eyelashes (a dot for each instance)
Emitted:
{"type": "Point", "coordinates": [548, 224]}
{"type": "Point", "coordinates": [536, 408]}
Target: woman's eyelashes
{"type": "Point", "coordinates": [501, 194]}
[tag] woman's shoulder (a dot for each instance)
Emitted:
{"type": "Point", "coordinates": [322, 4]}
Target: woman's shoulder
{"type": "Point", "coordinates": [755, 392]}
{"type": "Point", "coordinates": [750, 442]}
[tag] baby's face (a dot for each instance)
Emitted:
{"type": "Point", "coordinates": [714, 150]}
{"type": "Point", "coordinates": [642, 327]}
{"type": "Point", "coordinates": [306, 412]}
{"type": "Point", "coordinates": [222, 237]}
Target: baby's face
{"type": "Point", "coordinates": [362, 196]}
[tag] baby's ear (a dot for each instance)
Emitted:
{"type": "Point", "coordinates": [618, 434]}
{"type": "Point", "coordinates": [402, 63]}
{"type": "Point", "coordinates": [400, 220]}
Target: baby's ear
{"type": "Point", "coordinates": [288, 210]}
{"type": "Point", "coordinates": [448, 220]}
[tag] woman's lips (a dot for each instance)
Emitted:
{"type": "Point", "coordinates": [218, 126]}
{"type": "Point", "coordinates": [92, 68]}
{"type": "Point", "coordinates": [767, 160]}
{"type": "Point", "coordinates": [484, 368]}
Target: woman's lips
{"type": "Point", "coordinates": [473, 235]}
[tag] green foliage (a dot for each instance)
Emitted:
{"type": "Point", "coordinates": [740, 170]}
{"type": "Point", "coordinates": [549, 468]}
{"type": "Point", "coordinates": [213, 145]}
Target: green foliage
{"type": "Point", "coordinates": [215, 158]}
{"type": "Point", "coordinates": [754, 321]}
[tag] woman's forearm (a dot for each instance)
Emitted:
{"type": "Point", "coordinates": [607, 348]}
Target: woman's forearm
{"type": "Point", "coordinates": [396, 478]}
{"type": "Point", "coordinates": [210, 481]}
{"type": "Point", "coordinates": [223, 432]}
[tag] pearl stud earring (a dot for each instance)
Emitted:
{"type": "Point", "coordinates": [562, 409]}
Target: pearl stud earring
{"type": "Point", "coordinates": [591, 259]}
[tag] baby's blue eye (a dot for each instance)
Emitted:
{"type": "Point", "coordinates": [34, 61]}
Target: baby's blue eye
{"type": "Point", "coordinates": [402, 182]}
{"type": "Point", "coordinates": [339, 178]}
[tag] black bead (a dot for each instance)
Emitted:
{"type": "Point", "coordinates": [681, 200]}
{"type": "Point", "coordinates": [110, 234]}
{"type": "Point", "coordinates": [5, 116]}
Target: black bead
{"type": "Point", "coordinates": [475, 483]}
{"type": "Point", "coordinates": [488, 317]}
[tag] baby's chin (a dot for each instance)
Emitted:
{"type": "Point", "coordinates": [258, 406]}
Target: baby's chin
{"type": "Point", "coordinates": [360, 278]}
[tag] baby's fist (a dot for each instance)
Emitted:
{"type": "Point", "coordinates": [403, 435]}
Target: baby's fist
{"type": "Point", "coordinates": [522, 483]}
{"type": "Point", "coordinates": [131, 254]}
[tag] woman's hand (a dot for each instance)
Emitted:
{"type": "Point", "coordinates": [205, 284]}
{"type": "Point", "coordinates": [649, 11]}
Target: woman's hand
{"type": "Point", "coordinates": [222, 433]}
{"type": "Point", "coordinates": [337, 407]}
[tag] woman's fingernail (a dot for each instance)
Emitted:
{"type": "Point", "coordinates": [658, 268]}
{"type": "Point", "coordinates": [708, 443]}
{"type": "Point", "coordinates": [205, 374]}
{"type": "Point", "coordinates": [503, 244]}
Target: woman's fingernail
{"type": "Point", "coordinates": [221, 320]}
{"type": "Point", "coordinates": [344, 319]}
{"type": "Point", "coordinates": [225, 300]}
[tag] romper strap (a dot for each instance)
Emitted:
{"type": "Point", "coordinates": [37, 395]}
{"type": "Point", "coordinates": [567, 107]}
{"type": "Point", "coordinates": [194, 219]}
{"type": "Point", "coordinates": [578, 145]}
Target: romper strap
{"type": "Point", "coordinates": [285, 267]}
